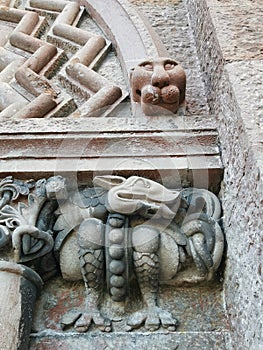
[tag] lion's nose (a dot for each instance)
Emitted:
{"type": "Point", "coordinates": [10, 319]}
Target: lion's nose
{"type": "Point", "coordinates": [160, 77]}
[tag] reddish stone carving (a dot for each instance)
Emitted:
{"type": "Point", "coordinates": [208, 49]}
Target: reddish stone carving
{"type": "Point", "coordinates": [35, 95]}
{"type": "Point", "coordinates": [159, 86]}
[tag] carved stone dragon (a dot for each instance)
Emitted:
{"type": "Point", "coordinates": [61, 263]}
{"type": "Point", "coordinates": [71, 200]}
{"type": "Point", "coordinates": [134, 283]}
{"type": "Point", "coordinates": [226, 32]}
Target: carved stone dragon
{"type": "Point", "coordinates": [118, 229]}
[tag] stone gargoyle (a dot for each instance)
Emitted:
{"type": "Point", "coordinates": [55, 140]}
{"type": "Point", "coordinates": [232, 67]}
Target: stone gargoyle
{"type": "Point", "coordinates": [111, 233]}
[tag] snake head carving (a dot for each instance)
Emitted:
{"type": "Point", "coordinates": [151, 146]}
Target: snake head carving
{"type": "Point", "coordinates": [137, 194]}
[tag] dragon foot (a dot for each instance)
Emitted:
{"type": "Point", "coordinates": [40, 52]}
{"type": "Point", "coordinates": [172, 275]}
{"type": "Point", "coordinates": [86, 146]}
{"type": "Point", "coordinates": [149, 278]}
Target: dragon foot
{"type": "Point", "coordinates": [153, 318]}
{"type": "Point", "coordinates": [82, 321]}
{"type": "Point", "coordinates": [86, 319]}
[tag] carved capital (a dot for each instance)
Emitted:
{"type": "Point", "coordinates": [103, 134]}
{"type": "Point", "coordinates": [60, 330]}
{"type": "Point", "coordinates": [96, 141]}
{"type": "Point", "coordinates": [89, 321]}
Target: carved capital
{"type": "Point", "coordinates": [109, 233]}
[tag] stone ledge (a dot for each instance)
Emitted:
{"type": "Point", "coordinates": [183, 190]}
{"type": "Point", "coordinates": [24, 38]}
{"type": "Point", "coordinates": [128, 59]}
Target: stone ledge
{"type": "Point", "coordinates": [143, 341]}
{"type": "Point", "coordinates": [124, 123]}
{"type": "Point", "coordinates": [191, 154]}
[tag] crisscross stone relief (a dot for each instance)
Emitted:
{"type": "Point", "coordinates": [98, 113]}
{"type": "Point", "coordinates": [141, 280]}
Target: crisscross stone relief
{"type": "Point", "coordinates": [41, 42]}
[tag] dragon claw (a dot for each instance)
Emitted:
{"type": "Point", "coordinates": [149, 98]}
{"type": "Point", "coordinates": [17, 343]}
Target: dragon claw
{"type": "Point", "coordinates": [83, 321]}
{"type": "Point", "coordinates": [153, 319]}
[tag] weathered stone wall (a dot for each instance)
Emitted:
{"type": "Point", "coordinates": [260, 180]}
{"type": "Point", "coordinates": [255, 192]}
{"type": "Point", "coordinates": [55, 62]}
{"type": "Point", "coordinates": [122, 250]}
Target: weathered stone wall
{"type": "Point", "coordinates": [227, 39]}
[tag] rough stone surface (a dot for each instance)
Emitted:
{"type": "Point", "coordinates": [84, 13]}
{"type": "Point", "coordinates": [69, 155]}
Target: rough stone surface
{"type": "Point", "coordinates": [246, 78]}
{"type": "Point", "coordinates": [238, 26]}
{"type": "Point", "coordinates": [235, 96]}
{"type": "Point", "coordinates": [202, 324]}
{"type": "Point", "coordinates": [176, 341]}
{"type": "Point", "coordinates": [206, 313]}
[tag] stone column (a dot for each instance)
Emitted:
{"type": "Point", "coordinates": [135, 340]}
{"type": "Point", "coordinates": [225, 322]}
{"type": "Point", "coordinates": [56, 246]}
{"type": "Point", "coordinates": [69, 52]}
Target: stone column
{"type": "Point", "coordinates": [18, 290]}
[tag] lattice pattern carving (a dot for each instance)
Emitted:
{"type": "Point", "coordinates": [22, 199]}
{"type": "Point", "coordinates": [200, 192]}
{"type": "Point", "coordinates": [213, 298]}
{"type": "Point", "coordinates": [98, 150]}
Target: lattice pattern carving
{"type": "Point", "coordinates": [39, 46]}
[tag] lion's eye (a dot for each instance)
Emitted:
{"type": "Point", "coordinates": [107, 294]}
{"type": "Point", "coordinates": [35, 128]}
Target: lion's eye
{"type": "Point", "coordinates": [169, 65]}
{"type": "Point", "coordinates": [147, 66]}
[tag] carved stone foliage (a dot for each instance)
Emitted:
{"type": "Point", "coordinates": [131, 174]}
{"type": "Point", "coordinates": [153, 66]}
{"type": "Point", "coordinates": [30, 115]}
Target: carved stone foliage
{"type": "Point", "coordinates": [116, 232]}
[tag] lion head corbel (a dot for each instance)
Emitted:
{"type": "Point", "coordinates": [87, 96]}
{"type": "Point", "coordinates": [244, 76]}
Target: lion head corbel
{"type": "Point", "coordinates": [159, 86]}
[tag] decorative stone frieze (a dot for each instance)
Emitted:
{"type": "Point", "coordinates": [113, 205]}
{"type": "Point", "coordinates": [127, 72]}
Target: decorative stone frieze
{"type": "Point", "coordinates": [120, 230]}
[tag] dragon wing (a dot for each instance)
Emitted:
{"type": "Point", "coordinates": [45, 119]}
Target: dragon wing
{"type": "Point", "coordinates": [87, 202]}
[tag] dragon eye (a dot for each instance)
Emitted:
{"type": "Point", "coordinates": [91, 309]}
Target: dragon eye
{"type": "Point", "coordinates": [147, 66]}
{"type": "Point", "coordinates": [169, 65]}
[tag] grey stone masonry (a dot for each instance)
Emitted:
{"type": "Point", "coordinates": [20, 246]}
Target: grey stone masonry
{"type": "Point", "coordinates": [228, 38]}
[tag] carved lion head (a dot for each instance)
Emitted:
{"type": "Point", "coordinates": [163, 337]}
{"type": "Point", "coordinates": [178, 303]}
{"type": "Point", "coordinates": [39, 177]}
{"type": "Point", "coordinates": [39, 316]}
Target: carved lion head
{"type": "Point", "coordinates": [159, 85]}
